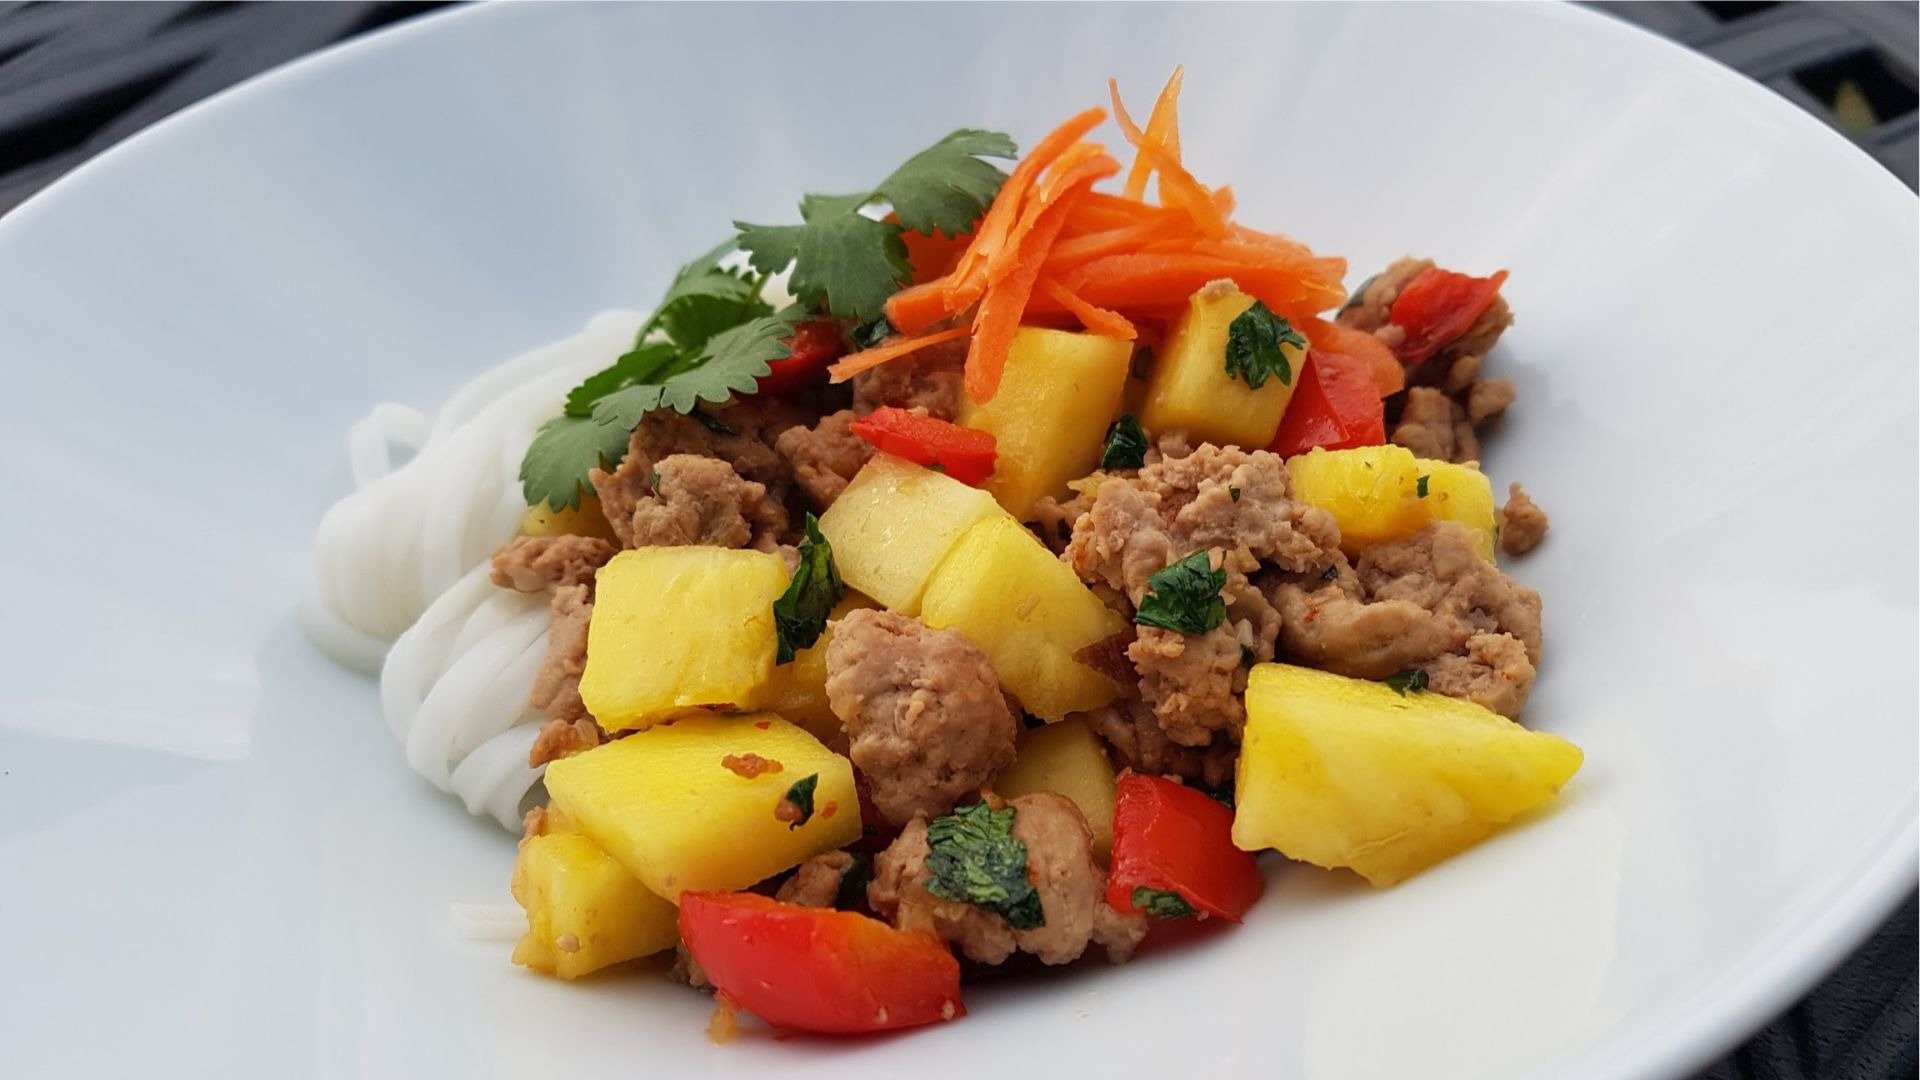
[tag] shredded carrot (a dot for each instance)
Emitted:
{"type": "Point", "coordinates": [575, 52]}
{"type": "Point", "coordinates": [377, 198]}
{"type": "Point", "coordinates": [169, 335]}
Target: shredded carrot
{"type": "Point", "coordinates": [849, 366]}
{"type": "Point", "coordinates": [1163, 128]}
{"type": "Point", "coordinates": [1069, 253]}
{"type": "Point", "coordinates": [1097, 319]}
{"type": "Point", "coordinates": [1000, 309]}
{"type": "Point", "coordinates": [968, 280]}
{"type": "Point", "coordinates": [1077, 170]}
{"type": "Point", "coordinates": [917, 307]}
{"type": "Point", "coordinates": [1177, 185]}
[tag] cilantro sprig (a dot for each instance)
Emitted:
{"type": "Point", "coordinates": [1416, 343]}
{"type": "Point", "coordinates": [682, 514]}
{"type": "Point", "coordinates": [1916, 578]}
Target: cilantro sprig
{"type": "Point", "coordinates": [1256, 346]}
{"type": "Point", "coordinates": [800, 614]}
{"type": "Point", "coordinates": [846, 262]}
{"type": "Point", "coordinates": [976, 859]}
{"type": "Point", "coordinates": [1185, 597]}
{"type": "Point", "coordinates": [1126, 446]}
{"type": "Point", "coordinates": [1161, 903]}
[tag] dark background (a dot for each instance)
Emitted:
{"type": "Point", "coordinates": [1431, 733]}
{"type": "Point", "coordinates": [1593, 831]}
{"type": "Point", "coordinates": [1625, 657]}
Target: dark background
{"type": "Point", "coordinates": [76, 78]}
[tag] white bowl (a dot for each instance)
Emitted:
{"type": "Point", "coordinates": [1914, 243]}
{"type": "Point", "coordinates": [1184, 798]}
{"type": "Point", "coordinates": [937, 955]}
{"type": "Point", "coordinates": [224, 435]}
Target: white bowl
{"type": "Point", "coordinates": [216, 862]}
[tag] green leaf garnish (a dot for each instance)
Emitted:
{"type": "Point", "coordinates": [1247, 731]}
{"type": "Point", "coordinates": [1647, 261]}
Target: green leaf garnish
{"type": "Point", "coordinates": [1161, 903]}
{"type": "Point", "coordinates": [1185, 597]}
{"type": "Point", "coordinates": [946, 187]}
{"type": "Point", "coordinates": [1407, 680]}
{"type": "Point", "coordinates": [726, 364]}
{"type": "Point", "coordinates": [1248, 657]}
{"type": "Point", "coordinates": [1126, 444]}
{"type": "Point", "coordinates": [554, 469]}
{"type": "Point", "coordinates": [800, 614]}
{"type": "Point", "coordinates": [1359, 291]}
{"type": "Point", "coordinates": [853, 882]}
{"type": "Point", "coordinates": [1420, 487]}
{"type": "Point", "coordinates": [872, 335]}
{"type": "Point", "coordinates": [1256, 341]}
{"type": "Point", "coordinates": [800, 797]}
{"type": "Point", "coordinates": [975, 859]}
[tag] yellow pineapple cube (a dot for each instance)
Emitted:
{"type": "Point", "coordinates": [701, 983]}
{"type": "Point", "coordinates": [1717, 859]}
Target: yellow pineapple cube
{"type": "Point", "coordinates": [894, 523]}
{"type": "Point", "coordinates": [1065, 758]}
{"type": "Point", "coordinates": [683, 806]}
{"type": "Point", "coordinates": [1346, 772]}
{"type": "Point", "coordinates": [680, 629]}
{"type": "Point", "coordinates": [1024, 608]}
{"type": "Point", "coordinates": [1375, 493]}
{"type": "Point", "coordinates": [1189, 387]}
{"type": "Point", "coordinates": [1049, 419]}
{"type": "Point", "coordinates": [584, 910]}
{"type": "Point", "coordinates": [583, 520]}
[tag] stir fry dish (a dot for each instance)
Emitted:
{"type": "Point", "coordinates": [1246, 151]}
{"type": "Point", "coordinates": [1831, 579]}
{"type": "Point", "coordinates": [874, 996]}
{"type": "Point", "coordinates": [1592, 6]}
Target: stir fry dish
{"type": "Point", "coordinates": [991, 565]}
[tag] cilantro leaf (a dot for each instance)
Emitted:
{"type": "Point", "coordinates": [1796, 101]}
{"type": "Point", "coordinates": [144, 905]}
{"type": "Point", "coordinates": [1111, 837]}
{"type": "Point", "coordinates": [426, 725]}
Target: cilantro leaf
{"type": "Point", "coordinates": [1126, 444]}
{"type": "Point", "coordinates": [845, 263]}
{"type": "Point", "coordinates": [554, 470]}
{"type": "Point", "coordinates": [1161, 903]}
{"type": "Point", "coordinates": [1255, 346]}
{"type": "Point", "coordinates": [800, 798]}
{"type": "Point", "coordinates": [636, 365]}
{"type": "Point", "coordinates": [800, 615]}
{"type": "Point", "coordinates": [704, 299]}
{"type": "Point", "coordinates": [946, 187]}
{"type": "Point", "coordinates": [729, 362]}
{"type": "Point", "coordinates": [853, 882]}
{"type": "Point", "coordinates": [1407, 679]}
{"type": "Point", "coordinates": [1185, 597]}
{"type": "Point", "coordinates": [975, 859]}
{"type": "Point", "coordinates": [872, 335]}
{"type": "Point", "coordinates": [1359, 292]}
{"type": "Point", "coordinates": [1420, 487]}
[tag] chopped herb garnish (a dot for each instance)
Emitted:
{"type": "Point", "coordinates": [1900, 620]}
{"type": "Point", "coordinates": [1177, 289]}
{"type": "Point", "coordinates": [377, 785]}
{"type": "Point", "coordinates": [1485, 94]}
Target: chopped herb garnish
{"type": "Point", "coordinates": [796, 806]}
{"type": "Point", "coordinates": [936, 466]}
{"type": "Point", "coordinates": [1247, 656]}
{"type": "Point", "coordinates": [847, 263]}
{"type": "Point", "coordinates": [1224, 795]}
{"type": "Point", "coordinates": [555, 468]}
{"type": "Point", "coordinates": [1407, 679]}
{"type": "Point", "coordinates": [872, 335]}
{"type": "Point", "coordinates": [1359, 293]}
{"type": "Point", "coordinates": [1126, 444]}
{"type": "Point", "coordinates": [976, 859]}
{"type": "Point", "coordinates": [800, 615]}
{"type": "Point", "coordinates": [1420, 487]}
{"type": "Point", "coordinates": [1256, 341]}
{"type": "Point", "coordinates": [1185, 597]}
{"type": "Point", "coordinates": [1161, 903]}
{"type": "Point", "coordinates": [1233, 493]}
{"type": "Point", "coordinates": [853, 882]}
{"type": "Point", "coordinates": [1331, 573]}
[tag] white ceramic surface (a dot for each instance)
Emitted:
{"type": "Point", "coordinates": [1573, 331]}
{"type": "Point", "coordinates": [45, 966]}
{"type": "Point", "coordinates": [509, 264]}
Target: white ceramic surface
{"type": "Point", "coordinates": [213, 861]}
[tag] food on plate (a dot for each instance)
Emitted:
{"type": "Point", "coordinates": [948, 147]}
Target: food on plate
{"type": "Point", "coordinates": [990, 564]}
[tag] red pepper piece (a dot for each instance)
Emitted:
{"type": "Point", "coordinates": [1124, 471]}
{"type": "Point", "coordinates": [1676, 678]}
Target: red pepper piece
{"type": "Point", "coordinates": [962, 453]}
{"type": "Point", "coordinates": [1176, 839]}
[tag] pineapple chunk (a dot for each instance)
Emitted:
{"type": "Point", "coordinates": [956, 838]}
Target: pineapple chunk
{"type": "Point", "coordinates": [894, 524]}
{"type": "Point", "coordinates": [1049, 419]}
{"type": "Point", "coordinates": [584, 910]}
{"type": "Point", "coordinates": [1190, 388]}
{"type": "Point", "coordinates": [799, 690]}
{"type": "Point", "coordinates": [1373, 492]}
{"type": "Point", "coordinates": [1460, 493]}
{"type": "Point", "coordinates": [666, 804]}
{"type": "Point", "coordinates": [584, 520]}
{"type": "Point", "coordinates": [1345, 772]}
{"type": "Point", "coordinates": [679, 629]}
{"type": "Point", "coordinates": [1026, 610]}
{"type": "Point", "coordinates": [1065, 758]}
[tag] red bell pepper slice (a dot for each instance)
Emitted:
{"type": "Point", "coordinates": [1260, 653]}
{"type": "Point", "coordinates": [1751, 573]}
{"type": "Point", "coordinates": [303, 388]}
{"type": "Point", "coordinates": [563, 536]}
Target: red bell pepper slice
{"type": "Point", "coordinates": [1171, 838]}
{"type": "Point", "coordinates": [817, 969]}
{"type": "Point", "coordinates": [1336, 405]}
{"type": "Point", "coordinates": [965, 454]}
{"type": "Point", "coordinates": [1438, 306]}
{"type": "Point", "coordinates": [812, 347]}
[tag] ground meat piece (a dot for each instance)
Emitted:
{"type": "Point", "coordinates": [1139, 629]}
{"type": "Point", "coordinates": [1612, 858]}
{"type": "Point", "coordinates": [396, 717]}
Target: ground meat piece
{"type": "Point", "coordinates": [1522, 524]}
{"type": "Point", "coordinates": [1480, 337]}
{"type": "Point", "coordinates": [1329, 626]}
{"type": "Point", "coordinates": [534, 563]}
{"type": "Point", "coordinates": [687, 970]}
{"type": "Point", "coordinates": [1493, 672]}
{"type": "Point", "coordinates": [1488, 398]}
{"type": "Point", "coordinates": [744, 440]}
{"type": "Point", "coordinates": [560, 738]}
{"type": "Point", "coordinates": [1188, 680]}
{"type": "Point", "coordinates": [1370, 310]}
{"type": "Point", "coordinates": [1061, 866]}
{"type": "Point", "coordinates": [556, 686]}
{"type": "Point", "coordinates": [1440, 569]}
{"type": "Point", "coordinates": [1122, 540]}
{"type": "Point", "coordinates": [703, 501]}
{"type": "Point", "coordinates": [824, 457]}
{"type": "Point", "coordinates": [930, 379]}
{"type": "Point", "coordinates": [1052, 520]}
{"type": "Point", "coordinates": [1433, 425]}
{"type": "Point", "coordinates": [1129, 726]}
{"type": "Point", "coordinates": [1461, 373]}
{"type": "Point", "coordinates": [817, 882]}
{"type": "Point", "coordinates": [923, 708]}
